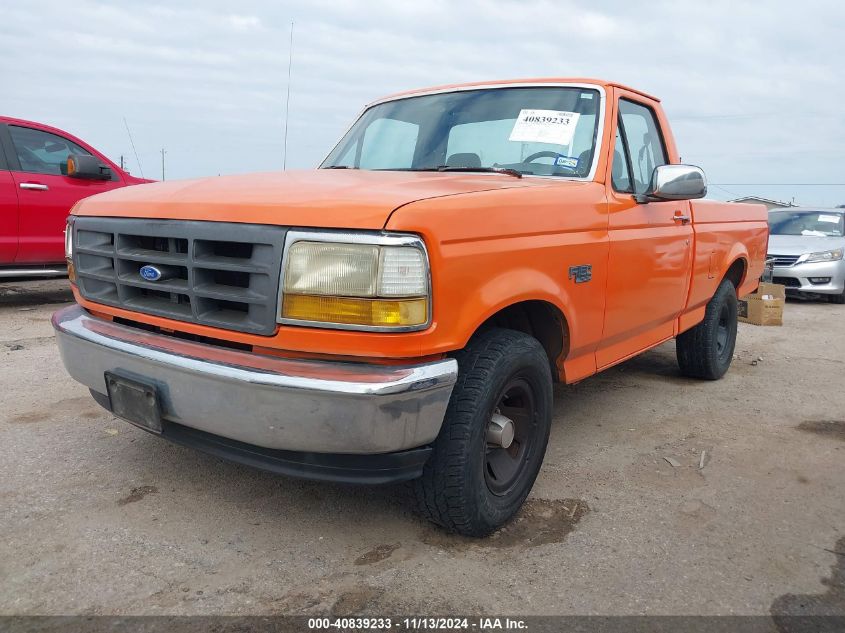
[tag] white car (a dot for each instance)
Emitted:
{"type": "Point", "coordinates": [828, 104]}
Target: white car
{"type": "Point", "coordinates": [807, 246]}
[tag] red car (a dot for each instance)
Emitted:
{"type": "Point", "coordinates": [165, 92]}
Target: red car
{"type": "Point", "coordinates": [37, 192]}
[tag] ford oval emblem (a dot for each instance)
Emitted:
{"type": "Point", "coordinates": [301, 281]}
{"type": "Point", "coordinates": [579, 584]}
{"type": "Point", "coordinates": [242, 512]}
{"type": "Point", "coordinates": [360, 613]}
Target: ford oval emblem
{"type": "Point", "coordinates": [150, 273]}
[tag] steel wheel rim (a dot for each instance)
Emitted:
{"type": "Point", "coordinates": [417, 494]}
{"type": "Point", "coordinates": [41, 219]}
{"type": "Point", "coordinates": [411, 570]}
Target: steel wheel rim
{"type": "Point", "coordinates": [504, 467]}
{"type": "Point", "coordinates": [723, 331]}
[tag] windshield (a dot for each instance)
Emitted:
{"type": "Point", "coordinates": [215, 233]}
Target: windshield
{"type": "Point", "coordinates": [549, 131]}
{"type": "Point", "coordinates": [815, 223]}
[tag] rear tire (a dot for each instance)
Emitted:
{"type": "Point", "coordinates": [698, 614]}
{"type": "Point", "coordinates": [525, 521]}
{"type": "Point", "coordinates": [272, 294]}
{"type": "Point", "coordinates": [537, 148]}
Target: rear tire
{"type": "Point", "coordinates": [706, 351]}
{"type": "Point", "coordinates": [471, 485]}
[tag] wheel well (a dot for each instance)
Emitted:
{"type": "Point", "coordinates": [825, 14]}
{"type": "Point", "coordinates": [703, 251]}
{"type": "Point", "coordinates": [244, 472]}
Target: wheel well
{"type": "Point", "coordinates": [736, 273]}
{"type": "Point", "coordinates": [540, 319]}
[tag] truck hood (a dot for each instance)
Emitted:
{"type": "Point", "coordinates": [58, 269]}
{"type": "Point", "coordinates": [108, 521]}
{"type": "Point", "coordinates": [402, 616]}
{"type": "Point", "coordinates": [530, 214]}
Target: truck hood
{"type": "Point", "coordinates": [800, 244]}
{"type": "Point", "coordinates": [326, 198]}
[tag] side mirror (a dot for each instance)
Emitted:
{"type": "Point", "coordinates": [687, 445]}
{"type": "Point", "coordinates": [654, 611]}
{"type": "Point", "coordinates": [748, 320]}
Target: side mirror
{"type": "Point", "coordinates": [87, 167]}
{"type": "Point", "coordinates": [675, 182]}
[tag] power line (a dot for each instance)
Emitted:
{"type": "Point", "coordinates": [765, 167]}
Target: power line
{"type": "Point", "coordinates": [131, 142]}
{"type": "Point", "coordinates": [732, 193]}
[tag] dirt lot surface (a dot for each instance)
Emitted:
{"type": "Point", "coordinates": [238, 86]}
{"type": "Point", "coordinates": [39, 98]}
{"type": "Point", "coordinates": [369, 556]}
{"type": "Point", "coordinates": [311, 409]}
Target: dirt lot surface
{"type": "Point", "coordinates": [98, 517]}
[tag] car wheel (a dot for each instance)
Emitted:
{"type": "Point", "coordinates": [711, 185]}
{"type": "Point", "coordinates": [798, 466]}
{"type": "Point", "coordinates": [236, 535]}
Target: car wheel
{"type": "Point", "coordinates": [706, 351]}
{"type": "Point", "coordinates": [494, 435]}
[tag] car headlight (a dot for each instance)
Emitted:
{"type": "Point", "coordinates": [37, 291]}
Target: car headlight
{"type": "Point", "coordinates": [69, 238]}
{"type": "Point", "coordinates": [824, 256]}
{"type": "Point", "coordinates": [71, 272]}
{"type": "Point", "coordinates": [355, 281]}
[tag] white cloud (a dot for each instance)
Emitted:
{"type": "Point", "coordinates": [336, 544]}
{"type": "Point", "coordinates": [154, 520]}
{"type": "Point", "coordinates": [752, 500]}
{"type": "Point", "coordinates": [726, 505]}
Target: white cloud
{"type": "Point", "coordinates": [244, 22]}
{"type": "Point", "coordinates": [753, 90]}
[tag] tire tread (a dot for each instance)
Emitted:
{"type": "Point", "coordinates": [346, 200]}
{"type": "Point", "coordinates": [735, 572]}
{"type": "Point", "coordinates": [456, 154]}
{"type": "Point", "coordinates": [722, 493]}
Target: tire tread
{"type": "Point", "coordinates": [696, 348]}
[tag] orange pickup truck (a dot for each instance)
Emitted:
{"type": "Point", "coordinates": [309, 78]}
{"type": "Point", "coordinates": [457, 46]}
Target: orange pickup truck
{"type": "Point", "coordinates": [401, 313]}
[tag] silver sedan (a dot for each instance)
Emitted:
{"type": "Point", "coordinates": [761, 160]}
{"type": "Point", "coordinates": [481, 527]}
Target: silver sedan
{"type": "Point", "coordinates": [807, 246]}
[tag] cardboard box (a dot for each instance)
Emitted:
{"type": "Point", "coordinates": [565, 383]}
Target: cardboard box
{"type": "Point", "coordinates": [764, 307]}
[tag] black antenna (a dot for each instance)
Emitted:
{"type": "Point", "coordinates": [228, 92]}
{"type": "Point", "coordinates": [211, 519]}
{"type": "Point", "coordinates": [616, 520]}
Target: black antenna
{"type": "Point", "coordinates": [287, 102]}
{"type": "Point", "coordinates": [138, 160]}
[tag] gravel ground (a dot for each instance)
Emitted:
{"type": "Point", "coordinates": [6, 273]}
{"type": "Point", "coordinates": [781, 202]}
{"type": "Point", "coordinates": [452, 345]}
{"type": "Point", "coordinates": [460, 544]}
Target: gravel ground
{"type": "Point", "coordinates": [99, 517]}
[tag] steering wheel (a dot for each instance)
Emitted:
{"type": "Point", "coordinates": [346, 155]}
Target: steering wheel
{"type": "Point", "coordinates": [544, 154]}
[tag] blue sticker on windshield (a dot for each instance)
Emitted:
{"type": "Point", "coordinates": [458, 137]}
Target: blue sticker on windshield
{"type": "Point", "coordinates": [566, 161]}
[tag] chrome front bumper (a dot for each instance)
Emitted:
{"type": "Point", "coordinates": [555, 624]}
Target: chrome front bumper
{"type": "Point", "coordinates": [273, 403]}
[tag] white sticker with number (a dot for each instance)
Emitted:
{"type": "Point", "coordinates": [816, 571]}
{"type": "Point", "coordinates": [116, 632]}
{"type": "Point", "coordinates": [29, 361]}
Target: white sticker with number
{"type": "Point", "coordinates": [544, 126]}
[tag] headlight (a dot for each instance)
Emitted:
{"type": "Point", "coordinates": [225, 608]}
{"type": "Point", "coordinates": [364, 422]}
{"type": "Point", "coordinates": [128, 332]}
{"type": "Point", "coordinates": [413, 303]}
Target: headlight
{"type": "Point", "coordinates": [69, 238]}
{"type": "Point", "coordinates": [71, 271]}
{"type": "Point", "coordinates": [824, 256]}
{"type": "Point", "coordinates": [355, 281]}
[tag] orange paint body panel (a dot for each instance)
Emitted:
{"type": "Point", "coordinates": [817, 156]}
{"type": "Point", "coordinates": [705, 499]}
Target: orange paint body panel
{"type": "Point", "coordinates": [493, 241]}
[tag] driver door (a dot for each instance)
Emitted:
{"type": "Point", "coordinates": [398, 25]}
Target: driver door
{"type": "Point", "coordinates": [650, 244]}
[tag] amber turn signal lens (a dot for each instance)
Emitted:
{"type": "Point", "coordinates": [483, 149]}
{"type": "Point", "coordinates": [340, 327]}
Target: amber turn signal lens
{"type": "Point", "coordinates": [71, 272]}
{"type": "Point", "coordinates": [354, 311]}
{"type": "Point", "coordinates": [71, 166]}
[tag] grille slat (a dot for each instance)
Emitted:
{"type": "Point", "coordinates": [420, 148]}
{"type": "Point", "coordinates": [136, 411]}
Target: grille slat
{"type": "Point", "coordinates": [98, 274]}
{"type": "Point", "coordinates": [94, 250]}
{"type": "Point", "coordinates": [228, 293]}
{"type": "Point", "coordinates": [230, 283]}
{"type": "Point", "coordinates": [784, 261]}
{"type": "Point", "coordinates": [152, 257]}
{"type": "Point", "coordinates": [234, 265]}
{"type": "Point", "coordinates": [172, 285]}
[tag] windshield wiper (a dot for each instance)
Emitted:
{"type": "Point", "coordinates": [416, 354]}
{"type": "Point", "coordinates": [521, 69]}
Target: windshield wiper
{"type": "Point", "coordinates": [493, 170]}
{"type": "Point", "coordinates": [338, 167]}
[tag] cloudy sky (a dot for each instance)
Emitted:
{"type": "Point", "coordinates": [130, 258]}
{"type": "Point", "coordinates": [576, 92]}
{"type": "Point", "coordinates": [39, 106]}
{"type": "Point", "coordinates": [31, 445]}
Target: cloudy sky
{"type": "Point", "coordinates": [755, 90]}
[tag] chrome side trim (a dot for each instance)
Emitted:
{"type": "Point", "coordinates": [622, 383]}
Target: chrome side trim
{"type": "Point", "coordinates": [33, 272]}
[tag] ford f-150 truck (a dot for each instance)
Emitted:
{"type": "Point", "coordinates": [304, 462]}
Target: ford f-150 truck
{"type": "Point", "coordinates": [44, 171]}
{"type": "Point", "coordinates": [402, 312]}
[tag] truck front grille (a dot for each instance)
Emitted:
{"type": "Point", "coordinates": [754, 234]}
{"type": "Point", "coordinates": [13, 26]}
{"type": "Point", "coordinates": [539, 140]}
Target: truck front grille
{"type": "Point", "coordinates": [220, 274]}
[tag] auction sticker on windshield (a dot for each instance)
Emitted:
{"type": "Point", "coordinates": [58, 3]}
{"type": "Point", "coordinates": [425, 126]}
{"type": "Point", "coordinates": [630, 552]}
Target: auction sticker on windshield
{"type": "Point", "coordinates": [544, 126]}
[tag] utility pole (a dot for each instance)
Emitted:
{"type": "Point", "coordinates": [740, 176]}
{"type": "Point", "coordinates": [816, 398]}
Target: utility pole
{"type": "Point", "coordinates": [163, 152]}
{"type": "Point", "coordinates": [287, 102]}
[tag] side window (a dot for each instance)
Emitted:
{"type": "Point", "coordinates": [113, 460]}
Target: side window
{"type": "Point", "coordinates": [389, 143]}
{"type": "Point", "coordinates": [620, 177]}
{"type": "Point", "coordinates": [644, 142]}
{"type": "Point", "coordinates": [41, 152]}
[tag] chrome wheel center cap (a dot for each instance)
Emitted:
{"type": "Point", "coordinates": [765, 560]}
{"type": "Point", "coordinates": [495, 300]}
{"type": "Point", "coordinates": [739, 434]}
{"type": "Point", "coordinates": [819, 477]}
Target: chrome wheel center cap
{"type": "Point", "coordinates": [500, 431]}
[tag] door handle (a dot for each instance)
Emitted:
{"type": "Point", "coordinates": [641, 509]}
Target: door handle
{"type": "Point", "coordinates": [680, 217]}
{"type": "Point", "coordinates": [35, 186]}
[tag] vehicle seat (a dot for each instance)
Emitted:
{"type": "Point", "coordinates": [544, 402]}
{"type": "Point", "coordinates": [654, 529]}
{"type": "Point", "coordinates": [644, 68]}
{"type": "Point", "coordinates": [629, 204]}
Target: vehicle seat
{"type": "Point", "coordinates": [464, 159]}
{"type": "Point", "coordinates": [617, 175]}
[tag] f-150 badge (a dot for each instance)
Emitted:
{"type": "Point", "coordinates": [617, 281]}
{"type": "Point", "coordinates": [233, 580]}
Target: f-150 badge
{"type": "Point", "coordinates": [581, 273]}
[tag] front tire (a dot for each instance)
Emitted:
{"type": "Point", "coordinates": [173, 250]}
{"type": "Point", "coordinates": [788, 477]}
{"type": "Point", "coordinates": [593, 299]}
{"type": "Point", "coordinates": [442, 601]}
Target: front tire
{"type": "Point", "coordinates": [473, 483]}
{"type": "Point", "coordinates": [706, 351]}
